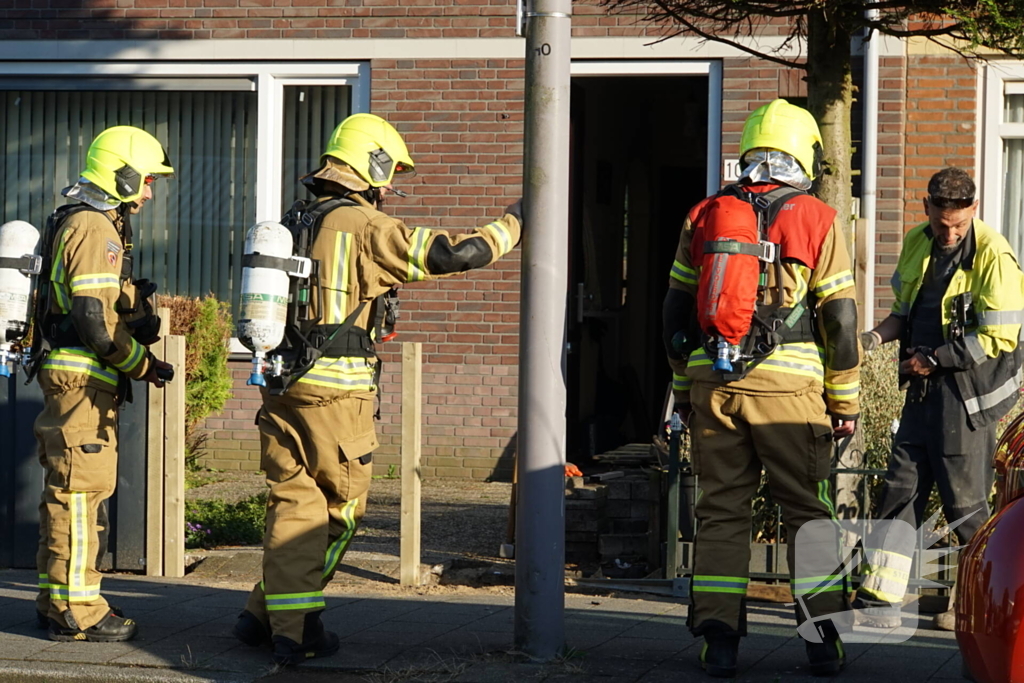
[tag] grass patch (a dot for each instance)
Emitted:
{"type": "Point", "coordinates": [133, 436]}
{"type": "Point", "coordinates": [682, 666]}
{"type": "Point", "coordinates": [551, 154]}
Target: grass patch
{"type": "Point", "coordinates": [212, 523]}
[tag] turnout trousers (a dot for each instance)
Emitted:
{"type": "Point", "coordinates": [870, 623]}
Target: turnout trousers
{"type": "Point", "coordinates": [934, 445]}
{"type": "Point", "coordinates": [76, 438]}
{"type": "Point", "coordinates": [317, 498]}
{"type": "Point", "coordinates": [734, 435]}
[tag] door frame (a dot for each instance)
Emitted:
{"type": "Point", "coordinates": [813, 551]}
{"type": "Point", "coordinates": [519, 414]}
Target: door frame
{"type": "Point", "coordinates": [712, 68]}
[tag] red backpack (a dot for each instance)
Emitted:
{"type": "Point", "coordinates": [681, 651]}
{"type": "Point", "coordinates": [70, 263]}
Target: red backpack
{"type": "Point", "coordinates": [731, 248]}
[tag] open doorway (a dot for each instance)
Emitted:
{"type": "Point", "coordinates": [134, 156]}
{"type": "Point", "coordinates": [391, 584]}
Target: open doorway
{"type": "Point", "coordinates": [639, 162]}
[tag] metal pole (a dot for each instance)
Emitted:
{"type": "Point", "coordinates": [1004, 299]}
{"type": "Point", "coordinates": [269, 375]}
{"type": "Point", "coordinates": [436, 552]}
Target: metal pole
{"type": "Point", "coordinates": [540, 512]}
{"type": "Point", "coordinates": [672, 559]}
{"type": "Point", "coordinates": [869, 173]}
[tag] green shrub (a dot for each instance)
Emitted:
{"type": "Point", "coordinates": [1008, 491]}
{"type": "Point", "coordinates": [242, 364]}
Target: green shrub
{"type": "Point", "coordinates": [206, 325]}
{"type": "Point", "coordinates": [211, 523]}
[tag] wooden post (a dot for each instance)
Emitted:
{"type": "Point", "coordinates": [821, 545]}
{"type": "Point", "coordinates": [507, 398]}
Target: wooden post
{"type": "Point", "coordinates": [412, 413]}
{"type": "Point", "coordinates": [155, 462]}
{"type": "Point", "coordinates": [860, 264]}
{"type": "Point", "coordinates": [174, 460]}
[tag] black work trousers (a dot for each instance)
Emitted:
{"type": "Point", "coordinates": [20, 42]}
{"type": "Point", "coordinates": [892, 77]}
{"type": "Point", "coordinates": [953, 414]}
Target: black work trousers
{"type": "Point", "coordinates": [936, 445]}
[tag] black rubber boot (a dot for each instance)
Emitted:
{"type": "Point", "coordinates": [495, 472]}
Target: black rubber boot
{"type": "Point", "coordinates": [251, 631]}
{"type": "Point", "coordinates": [316, 642]}
{"type": "Point", "coordinates": [827, 658]}
{"type": "Point", "coordinates": [43, 621]}
{"type": "Point", "coordinates": [719, 655]}
{"type": "Point", "coordinates": [111, 629]}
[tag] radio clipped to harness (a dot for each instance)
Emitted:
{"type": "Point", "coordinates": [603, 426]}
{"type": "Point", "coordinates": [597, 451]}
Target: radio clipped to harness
{"type": "Point", "coordinates": [268, 268]}
{"type": "Point", "coordinates": [19, 262]}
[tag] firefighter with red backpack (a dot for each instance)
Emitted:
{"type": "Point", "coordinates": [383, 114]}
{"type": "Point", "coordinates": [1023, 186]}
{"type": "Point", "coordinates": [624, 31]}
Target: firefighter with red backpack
{"type": "Point", "coordinates": [760, 325]}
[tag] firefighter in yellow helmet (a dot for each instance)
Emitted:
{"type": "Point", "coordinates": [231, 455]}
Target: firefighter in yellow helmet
{"type": "Point", "coordinates": [94, 325]}
{"type": "Point", "coordinates": [775, 400]}
{"type": "Point", "coordinates": [317, 432]}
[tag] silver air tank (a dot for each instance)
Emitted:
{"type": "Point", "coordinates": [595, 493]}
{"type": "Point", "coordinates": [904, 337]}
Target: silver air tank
{"type": "Point", "coordinates": [268, 268]}
{"type": "Point", "coordinates": [18, 263]}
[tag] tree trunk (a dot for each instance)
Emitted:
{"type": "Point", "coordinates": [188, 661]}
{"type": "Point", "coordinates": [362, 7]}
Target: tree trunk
{"type": "Point", "coordinates": [829, 98]}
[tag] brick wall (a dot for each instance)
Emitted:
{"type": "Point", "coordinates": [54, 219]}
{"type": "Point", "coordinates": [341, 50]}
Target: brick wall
{"type": "Point", "coordinates": [463, 122]}
{"type": "Point", "coordinates": [941, 123]}
{"type": "Point", "coordinates": [291, 19]}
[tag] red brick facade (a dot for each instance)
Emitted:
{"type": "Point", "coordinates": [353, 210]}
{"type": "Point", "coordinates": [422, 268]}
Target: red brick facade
{"type": "Point", "coordinates": [463, 120]}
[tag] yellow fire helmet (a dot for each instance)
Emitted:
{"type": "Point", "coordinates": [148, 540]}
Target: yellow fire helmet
{"type": "Point", "coordinates": [787, 128]}
{"type": "Point", "coordinates": [122, 160]}
{"type": "Point", "coordinates": [372, 147]}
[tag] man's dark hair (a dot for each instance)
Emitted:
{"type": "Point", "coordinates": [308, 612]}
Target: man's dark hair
{"type": "Point", "coordinates": [951, 188]}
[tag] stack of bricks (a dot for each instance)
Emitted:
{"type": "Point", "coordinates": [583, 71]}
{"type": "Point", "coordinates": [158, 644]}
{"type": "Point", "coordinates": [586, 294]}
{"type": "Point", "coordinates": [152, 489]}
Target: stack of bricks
{"type": "Point", "coordinates": [585, 519]}
{"type": "Point", "coordinates": [610, 521]}
{"type": "Point", "coordinates": [630, 510]}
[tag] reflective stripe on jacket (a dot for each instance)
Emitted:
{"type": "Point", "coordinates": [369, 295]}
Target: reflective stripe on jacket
{"type": "Point", "coordinates": [987, 359]}
{"type": "Point", "coordinates": [791, 367]}
{"type": "Point", "coordinates": [364, 252]}
{"type": "Point", "coordinates": [87, 260]}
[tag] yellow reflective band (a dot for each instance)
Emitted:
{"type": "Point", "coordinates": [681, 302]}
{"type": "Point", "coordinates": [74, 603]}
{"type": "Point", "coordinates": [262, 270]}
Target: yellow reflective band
{"type": "Point", "coordinates": [841, 392]}
{"type": "Point", "coordinates": [719, 584]}
{"type": "Point", "coordinates": [71, 359]}
{"type": "Point", "coordinates": [295, 601]}
{"type": "Point", "coordinates": [79, 543]}
{"type": "Point", "coordinates": [683, 273]}
{"type": "Point", "coordinates": [681, 382]}
{"type": "Point", "coordinates": [417, 255]}
{"type": "Point", "coordinates": [817, 584]}
{"type": "Point", "coordinates": [69, 594]}
{"type": "Point", "coordinates": [337, 308]}
{"type": "Point", "coordinates": [888, 558]}
{"type": "Point", "coordinates": [836, 283]}
{"type": "Point", "coordinates": [134, 357]}
{"type": "Point", "coordinates": [802, 283]}
{"type": "Point", "coordinates": [502, 236]}
{"type": "Point", "coordinates": [346, 373]}
{"type": "Point", "coordinates": [699, 357]}
{"type": "Point", "coordinates": [60, 290]}
{"type": "Point", "coordinates": [787, 365]}
{"type": "Point", "coordinates": [336, 550]}
{"type": "Point", "coordinates": [81, 283]}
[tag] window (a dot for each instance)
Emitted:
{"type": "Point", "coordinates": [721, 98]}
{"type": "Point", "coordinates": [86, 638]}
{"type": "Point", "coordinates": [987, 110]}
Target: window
{"type": "Point", "coordinates": [1002, 180]}
{"type": "Point", "coordinates": [191, 235]}
{"type": "Point", "coordinates": [311, 113]}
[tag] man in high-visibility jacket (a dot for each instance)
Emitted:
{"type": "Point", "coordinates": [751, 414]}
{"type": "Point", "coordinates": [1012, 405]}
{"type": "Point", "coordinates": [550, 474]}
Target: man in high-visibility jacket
{"type": "Point", "coordinates": [783, 414]}
{"type": "Point", "coordinates": [318, 437]}
{"type": "Point", "coordinates": [96, 326]}
{"type": "Point", "coordinates": [957, 316]}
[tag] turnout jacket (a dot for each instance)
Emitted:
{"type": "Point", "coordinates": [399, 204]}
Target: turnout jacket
{"type": "Point", "coordinates": [363, 253]}
{"type": "Point", "coordinates": [986, 360]}
{"type": "Point", "coordinates": [86, 284]}
{"type": "Point", "coordinates": [815, 270]}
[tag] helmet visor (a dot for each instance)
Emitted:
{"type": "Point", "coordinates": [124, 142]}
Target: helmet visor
{"type": "Point", "coordinates": [769, 165]}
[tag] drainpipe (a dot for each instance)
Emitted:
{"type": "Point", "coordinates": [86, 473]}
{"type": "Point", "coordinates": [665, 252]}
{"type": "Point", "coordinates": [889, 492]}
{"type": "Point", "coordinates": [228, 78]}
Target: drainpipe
{"type": "Point", "coordinates": [540, 510]}
{"type": "Point", "coordinates": [869, 172]}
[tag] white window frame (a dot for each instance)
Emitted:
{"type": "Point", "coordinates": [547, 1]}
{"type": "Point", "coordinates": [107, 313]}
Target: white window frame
{"type": "Point", "coordinates": [999, 77]}
{"type": "Point", "coordinates": [269, 79]}
{"type": "Point", "coordinates": [710, 68]}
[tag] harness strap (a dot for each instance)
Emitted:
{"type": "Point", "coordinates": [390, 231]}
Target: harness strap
{"type": "Point", "coordinates": [27, 264]}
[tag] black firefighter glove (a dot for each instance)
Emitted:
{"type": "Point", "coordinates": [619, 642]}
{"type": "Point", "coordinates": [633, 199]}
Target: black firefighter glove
{"type": "Point", "coordinates": [516, 210]}
{"type": "Point", "coordinates": [146, 330]}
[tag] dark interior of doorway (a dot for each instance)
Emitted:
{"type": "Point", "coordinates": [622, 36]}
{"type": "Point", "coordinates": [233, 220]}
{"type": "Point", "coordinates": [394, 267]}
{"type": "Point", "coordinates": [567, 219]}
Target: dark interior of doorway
{"type": "Point", "coordinates": [639, 162]}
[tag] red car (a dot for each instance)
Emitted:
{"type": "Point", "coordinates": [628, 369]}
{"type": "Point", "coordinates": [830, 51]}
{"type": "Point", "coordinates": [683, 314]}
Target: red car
{"type": "Point", "coordinates": [990, 578]}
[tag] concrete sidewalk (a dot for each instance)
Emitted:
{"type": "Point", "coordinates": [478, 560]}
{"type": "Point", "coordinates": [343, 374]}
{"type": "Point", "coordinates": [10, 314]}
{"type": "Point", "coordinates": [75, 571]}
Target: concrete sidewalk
{"type": "Point", "coordinates": [436, 634]}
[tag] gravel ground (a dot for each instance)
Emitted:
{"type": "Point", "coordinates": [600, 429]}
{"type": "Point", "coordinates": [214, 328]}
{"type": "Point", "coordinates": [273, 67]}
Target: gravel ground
{"type": "Point", "coordinates": [460, 518]}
